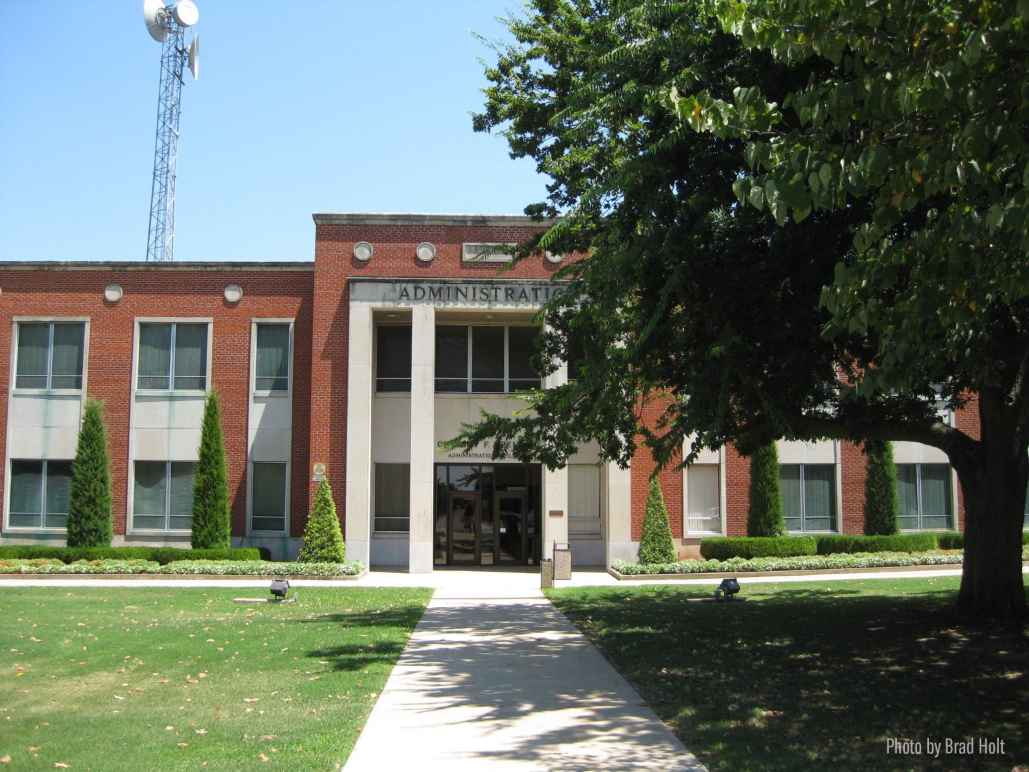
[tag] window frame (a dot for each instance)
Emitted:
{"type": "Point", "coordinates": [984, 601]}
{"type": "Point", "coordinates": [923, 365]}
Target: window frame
{"type": "Point", "coordinates": [173, 320]}
{"type": "Point", "coordinates": [286, 508]}
{"type": "Point", "coordinates": [469, 373]}
{"type": "Point", "coordinates": [719, 468]}
{"type": "Point", "coordinates": [51, 320]}
{"type": "Point", "coordinates": [42, 497]}
{"type": "Point", "coordinates": [951, 489]}
{"type": "Point", "coordinates": [834, 516]}
{"type": "Point", "coordinates": [131, 528]}
{"type": "Point", "coordinates": [375, 530]}
{"type": "Point", "coordinates": [254, 324]}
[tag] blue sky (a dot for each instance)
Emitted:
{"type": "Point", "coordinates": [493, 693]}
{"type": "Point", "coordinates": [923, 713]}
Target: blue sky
{"type": "Point", "coordinates": [301, 106]}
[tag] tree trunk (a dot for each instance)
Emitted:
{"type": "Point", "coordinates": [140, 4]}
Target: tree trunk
{"type": "Point", "coordinates": [994, 483]}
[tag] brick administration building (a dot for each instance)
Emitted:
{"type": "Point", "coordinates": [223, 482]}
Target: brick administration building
{"type": "Point", "coordinates": [356, 366]}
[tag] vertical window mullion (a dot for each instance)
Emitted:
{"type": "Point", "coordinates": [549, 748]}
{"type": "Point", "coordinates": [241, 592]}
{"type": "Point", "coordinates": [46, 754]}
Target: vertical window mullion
{"type": "Point", "coordinates": [42, 493]}
{"type": "Point", "coordinates": [171, 360]}
{"type": "Point", "coordinates": [468, 384]}
{"type": "Point", "coordinates": [507, 358]}
{"type": "Point", "coordinates": [167, 493]}
{"type": "Point", "coordinates": [918, 495]}
{"type": "Point", "coordinates": [49, 363]}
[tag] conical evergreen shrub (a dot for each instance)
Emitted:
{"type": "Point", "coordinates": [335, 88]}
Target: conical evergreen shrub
{"type": "Point", "coordinates": [882, 504]}
{"type": "Point", "coordinates": [765, 515]}
{"type": "Point", "coordinates": [656, 545]}
{"type": "Point", "coordinates": [89, 500]}
{"type": "Point", "coordinates": [323, 540]}
{"type": "Point", "coordinates": [211, 523]}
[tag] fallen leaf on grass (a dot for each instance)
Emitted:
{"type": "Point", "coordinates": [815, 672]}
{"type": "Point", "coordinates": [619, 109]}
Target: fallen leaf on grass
{"type": "Point", "coordinates": [200, 731]}
{"type": "Point", "coordinates": [5, 759]}
{"type": "Point", "coordinates": [251, 699]}
{"type": "Point", "coordinates": [263, 757]}
{"type": "Point", "coordinates": [61, 765]}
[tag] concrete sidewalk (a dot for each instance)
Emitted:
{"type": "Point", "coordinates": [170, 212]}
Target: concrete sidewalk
{"type": "Point", "coordinates": [494, 677]}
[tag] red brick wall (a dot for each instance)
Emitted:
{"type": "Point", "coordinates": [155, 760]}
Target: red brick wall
{"type": "Point", "coordinates": [173, 292]}
{"type": "Point", "coordinates": [737, 491]}
{"type": "Point", "coordinates": [853, 473]}
{"type": "Point", "coordinates": [670, 478]}
{"type": "Point", "coordinates": [394, 257]}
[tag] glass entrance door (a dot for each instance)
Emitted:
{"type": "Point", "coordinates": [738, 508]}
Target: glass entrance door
{"type": "Point", "coordinates": [486, 514]}
{"type": "Point", "coordinates": [511, 510]}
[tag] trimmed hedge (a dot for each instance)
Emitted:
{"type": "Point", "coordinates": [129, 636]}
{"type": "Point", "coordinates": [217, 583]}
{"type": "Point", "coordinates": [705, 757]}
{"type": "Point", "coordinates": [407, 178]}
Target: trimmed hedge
{"type": "Point", "coordinates": [955, 540]}
{"type": "Point", "coordinates": [180, 567]}
{"type": "Point", "coordinates": [725, 547]}
{"type": "Point", "coordinates": [799, 563]}
{"type": "Point", "coordinates": [899, 542]}
{"type": "Point", "coordinates": [162, 555]}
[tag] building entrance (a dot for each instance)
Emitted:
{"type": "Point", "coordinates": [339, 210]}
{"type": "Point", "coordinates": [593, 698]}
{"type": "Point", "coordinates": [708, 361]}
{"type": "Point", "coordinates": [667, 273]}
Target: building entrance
{"type": "Point", "coordinates": [487, 514]}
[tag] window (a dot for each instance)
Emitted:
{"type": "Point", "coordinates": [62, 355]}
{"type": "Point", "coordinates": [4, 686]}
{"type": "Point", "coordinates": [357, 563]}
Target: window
{"type": "Point", "coordinates": [809, 496]}
{"type": "Point", "coordinates": [163, 495]}
{"type": "Point", "coordinates": [576, 355]}
{"type": "Point", "coordinates": [271, 370]}
{"type": "Point", "coordinates": [925, 496]}
{"type": "Point", "coordinates": [39, 494]}
{"type": "Point", "coordinates": [393, 358]}
{"type": "Point", "coordinates": [451, 359]}
{"type": "Point", "coordinates": [392, 498]}
{"type": "Point", "coordinates": [268, 496]}
{"type": "Point", "coordinates": [583, 500]}
{"type": "Point", "coordinates": [490, 360]}
{"type": "Point", "coordinates": [50, 355]}
{"type": "Point", "coordinates": [703, 511]}
{"type": "Point", "coordinates": [173, 356]}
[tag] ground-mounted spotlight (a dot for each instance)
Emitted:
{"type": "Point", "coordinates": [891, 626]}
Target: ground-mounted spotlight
{"type": "Point", "coordinates": [279, 589]}
{"type": "Point", "coordinates": [727, 589]}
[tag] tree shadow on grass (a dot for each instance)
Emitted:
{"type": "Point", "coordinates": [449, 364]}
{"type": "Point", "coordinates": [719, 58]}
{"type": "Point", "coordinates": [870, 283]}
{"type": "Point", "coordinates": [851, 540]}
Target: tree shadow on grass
{"type": "Point", "coordinates": [807, 678]}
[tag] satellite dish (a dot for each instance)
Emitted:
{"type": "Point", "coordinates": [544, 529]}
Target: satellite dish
{"type": "Point", "coordinates": [154, 16]}
{"type": "Point", "coordinates": [194, 57]}
{"type": "Point", "coordinates": [186, 13]}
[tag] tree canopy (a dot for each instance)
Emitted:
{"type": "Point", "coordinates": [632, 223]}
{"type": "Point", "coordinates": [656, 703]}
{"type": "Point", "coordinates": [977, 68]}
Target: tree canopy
{"type": "Point", "coordinates": [788, 229]}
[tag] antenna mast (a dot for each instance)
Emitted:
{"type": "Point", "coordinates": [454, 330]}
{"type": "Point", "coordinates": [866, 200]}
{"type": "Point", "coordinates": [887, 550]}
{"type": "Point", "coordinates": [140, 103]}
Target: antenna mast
{"type": "Point", "coordinates": [168, 26]}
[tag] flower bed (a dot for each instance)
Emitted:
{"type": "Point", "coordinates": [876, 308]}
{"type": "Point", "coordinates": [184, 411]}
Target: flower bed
{"type": "Point", "coordinates": [802, 563]}
{"type": "Point", "coordinates": [181, 568]}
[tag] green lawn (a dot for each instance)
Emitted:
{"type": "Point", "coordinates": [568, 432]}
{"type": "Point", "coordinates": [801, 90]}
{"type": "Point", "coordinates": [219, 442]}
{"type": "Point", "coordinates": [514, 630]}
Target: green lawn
{"type": "Point", "coordinates": [814, 676]}
{"type": "Point", "coordinates": [125, 679]}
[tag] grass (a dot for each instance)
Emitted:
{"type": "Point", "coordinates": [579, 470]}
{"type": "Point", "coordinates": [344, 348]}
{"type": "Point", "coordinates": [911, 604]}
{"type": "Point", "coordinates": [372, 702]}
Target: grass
{"type": "Point", "coordinates": [127, 679]}
{"type": "Point", "coordinates": [809, 676]}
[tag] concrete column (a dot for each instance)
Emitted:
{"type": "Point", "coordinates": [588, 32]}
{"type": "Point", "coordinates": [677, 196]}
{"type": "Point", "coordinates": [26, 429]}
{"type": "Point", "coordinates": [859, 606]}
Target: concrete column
{"type": "Point", "coordinates": [555, 488]}
{"type": "Point", "coordinates": [618, 514]}
{"type": "Point", "coordinates": [360, 390]}
{"type": "Point", "coordinates": [423, 456]}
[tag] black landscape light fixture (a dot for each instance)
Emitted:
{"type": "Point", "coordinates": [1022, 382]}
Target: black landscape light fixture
{"type": "Point", "coordinates": [727, 589]}
{"type": "Point", "coordinates": [280, 588]}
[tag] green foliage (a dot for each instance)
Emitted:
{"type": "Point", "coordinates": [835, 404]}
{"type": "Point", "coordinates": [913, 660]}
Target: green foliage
{"type": "Point", "coordinates": [89, 501]}
{"type": "Point", "coordinates": [323, 540]}
{"type": "Point", "coordinates": [882, 504]}
{"type": "Point", "coordinates": [656, 545]}
{"type": "Point", "coordinates": [725, 547]}
{"type": "Point", "coordinates": [211, 519]}
{"type": "Point", "coordinates": [796, 563]}
{"type": "Point", "coordinates": [901, 542]}
{"type": "Point", "coordinates": [162, 555]}
{"type": "Point", "coordinates": [765, 515]}
{"type": "Point", "coordinates": [178, 567]}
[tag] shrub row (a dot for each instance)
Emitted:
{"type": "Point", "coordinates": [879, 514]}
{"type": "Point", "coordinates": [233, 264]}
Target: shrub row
{"type": "Point", "coordinates": [899, 542]}
{"type": "Point", "coordinates": [725, 547]}
{"type": "Point", "coordinates": [180, 567]}
{"type": "Point", "coordinates": [798, 563]}
{"type": "Point", "coordinates": [162, 555]}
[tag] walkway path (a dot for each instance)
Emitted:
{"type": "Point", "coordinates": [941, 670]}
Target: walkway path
{"type": "Point", "coordinates": [494, 677]}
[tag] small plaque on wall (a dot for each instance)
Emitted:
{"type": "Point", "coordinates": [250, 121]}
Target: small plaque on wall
{"type": "Point", "coordinates": [556, 513]}
{"type": "Point", "coordinates": [318, 473]}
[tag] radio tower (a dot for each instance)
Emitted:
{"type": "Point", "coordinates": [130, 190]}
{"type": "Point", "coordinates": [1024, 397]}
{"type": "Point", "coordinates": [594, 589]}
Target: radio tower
{"type": "Point", "coordinates": [167, 25]}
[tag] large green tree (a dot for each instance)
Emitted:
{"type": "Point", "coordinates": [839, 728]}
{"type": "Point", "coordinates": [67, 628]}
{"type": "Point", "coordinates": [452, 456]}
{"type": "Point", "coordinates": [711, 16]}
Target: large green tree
{"type": "Point", "coordinates": [762, 320]}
